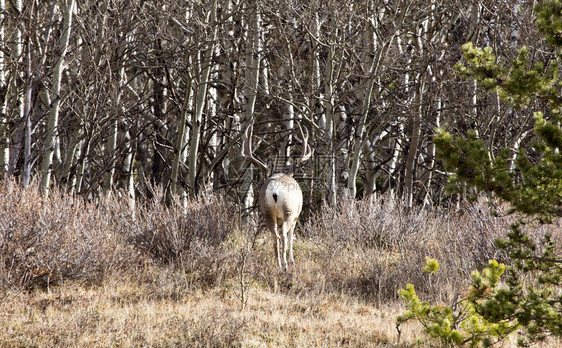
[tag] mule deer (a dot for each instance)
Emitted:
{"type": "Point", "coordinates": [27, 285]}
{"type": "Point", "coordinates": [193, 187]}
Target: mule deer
{"type": "Point", "coordinates": [280, 198]}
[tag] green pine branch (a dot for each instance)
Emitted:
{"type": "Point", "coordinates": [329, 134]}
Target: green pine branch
{"type": "Point", "coordinates": [526, 295]}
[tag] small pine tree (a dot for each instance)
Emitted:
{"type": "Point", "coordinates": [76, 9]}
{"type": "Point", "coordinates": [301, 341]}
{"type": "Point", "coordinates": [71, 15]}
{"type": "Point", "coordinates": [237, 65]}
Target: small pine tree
{"type": "Point", "coordinates": [530, 298]}
{"type": "Point", "coordinates": [461, 323]}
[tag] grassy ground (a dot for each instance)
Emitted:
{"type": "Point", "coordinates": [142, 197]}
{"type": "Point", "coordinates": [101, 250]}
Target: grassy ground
{"type": "Point", "coordinates": [95, 274]}
{"type": "Point", "coordinates": [125, 313]}
{"type": "Point", "coordinates": [160, 307]}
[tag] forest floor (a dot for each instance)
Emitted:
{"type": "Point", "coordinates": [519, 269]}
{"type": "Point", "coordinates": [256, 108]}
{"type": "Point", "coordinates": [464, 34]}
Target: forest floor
{"type": "Point", "coordinates": [122, 312]}
{"type": "Point", "coordinates": [161, 308]}
{"type": "Point", "coordinates": [77, 274]}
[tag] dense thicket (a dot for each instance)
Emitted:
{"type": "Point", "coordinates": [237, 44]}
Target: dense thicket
{"type": "Point", "coordinates": [102, 94]}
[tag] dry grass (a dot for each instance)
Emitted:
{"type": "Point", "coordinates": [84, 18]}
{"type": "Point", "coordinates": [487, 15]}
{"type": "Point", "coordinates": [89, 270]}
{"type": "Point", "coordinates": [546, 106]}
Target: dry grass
{"type": "Point", "coordinates": [94, 274]}
{"type": "Point", "coordinates": [125, 313]}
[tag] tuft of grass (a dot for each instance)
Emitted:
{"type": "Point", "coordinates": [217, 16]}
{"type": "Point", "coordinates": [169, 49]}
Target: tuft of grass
{"type": "Point", "coordinates": [192, 239]}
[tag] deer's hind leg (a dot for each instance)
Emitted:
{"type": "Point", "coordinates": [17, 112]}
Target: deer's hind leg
{"type": "Point", "coordinates": [291, 238]}
{"type": "Point", "coordinates": [271, 225]}
{"type": "Point", "coordinates": [287, 235]}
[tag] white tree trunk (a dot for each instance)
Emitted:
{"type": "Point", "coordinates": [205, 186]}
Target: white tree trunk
{"type": "Point", "coordinates": [412, 153]}
{"type": "Point", "coordinates": [253, 55]}
{"type": "Point", "coordinates": [84, 152]}
{"type": "Point", "coordinates": [211, 132]}
{"type": "Point", "coordinates": [315, 103]}
{"type": "Point", "coordinates": [4, 144]}
{"type": "Point", "coordinates": [111, 149]}
{"type": "Point", "coordinates": [180, 150]}
{"type": "Point", "coordinates": [18, 52]}
{"type": "Point", "coordinates": [52, 123]}
{"type": "Point", "coordinates": [205, 64]}
{"type": "Point", "coordinates": [329, 128]}
{"type": "Point", "coordinates": [27, 114]}
{"type": "Point", "coordinates": [288, 117]}
{"type": "Point", "coordinates": [431, 153]}
{"type": "Point", "coordinates": [128, 181]}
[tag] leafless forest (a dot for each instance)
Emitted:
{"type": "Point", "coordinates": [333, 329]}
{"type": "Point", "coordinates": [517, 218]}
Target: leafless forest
{"type": "Point", "coordinates": [124, 192]}
{"type": "Point", "coordinates": [98, 95]}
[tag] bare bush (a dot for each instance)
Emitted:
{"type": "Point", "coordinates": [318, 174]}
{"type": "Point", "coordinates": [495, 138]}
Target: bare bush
{"type": "Point", "coordinates": [363, 248]}
{"type": "Point", "coordinates": [46, 239]}
{"type": "Point", "coordinates": [388, 244]}
{"type": "Point", "coordinates": [191, 238]}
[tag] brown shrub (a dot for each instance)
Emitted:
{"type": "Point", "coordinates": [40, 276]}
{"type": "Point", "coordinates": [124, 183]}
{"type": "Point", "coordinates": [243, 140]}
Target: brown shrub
{"type": "Point", "coordinates": [190, 239]}
{"type": "Point", "coordinates": [374, 247]}
{"type": "Point", "coordinates": [363, 248]}
{"type": "Point", "coordinates": [46, 239]}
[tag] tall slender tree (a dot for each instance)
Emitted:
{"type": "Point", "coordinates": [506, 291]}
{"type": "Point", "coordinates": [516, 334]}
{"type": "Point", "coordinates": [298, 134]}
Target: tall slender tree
{"type": "Point", "coordinates": [53, 122]}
